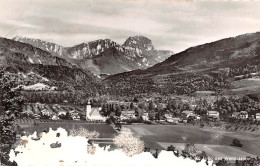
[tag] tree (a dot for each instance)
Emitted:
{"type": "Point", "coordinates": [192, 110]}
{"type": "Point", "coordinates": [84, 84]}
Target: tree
{"type": "Point", "coordinates": [222, 162]}
{"type": "Point", "coordinates": [171, 148]}
{"type": "Point", "coordinates": [11, 102]}
{"type": "Point", "coordinates": [141, 105]}
{"type": "Point", "coordinates": [118, 111]}
{"type": "Point", "coordinates": [132, 105]}
{"type": "Point", "coordinates": [68, 117]}
{"type": "Point", "coordinates": [203, 155]}
{"type": "Point", "coordinates": [236, 142]}
{"type": "Point", "coordinates": [151, 106]}
{"type": "Point", "coordinates": [135, 100]}
{"type": "Point", "coordinates": [104, 110]}
{"type": "Point", "coordinates": [138, 112]}
{"type": "Point", "coordinates": [157, 116]}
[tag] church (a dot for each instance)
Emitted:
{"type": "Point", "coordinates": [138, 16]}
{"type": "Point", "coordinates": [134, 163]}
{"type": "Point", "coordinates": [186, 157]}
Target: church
{"type": "Point", "coordinates": [93, 114]}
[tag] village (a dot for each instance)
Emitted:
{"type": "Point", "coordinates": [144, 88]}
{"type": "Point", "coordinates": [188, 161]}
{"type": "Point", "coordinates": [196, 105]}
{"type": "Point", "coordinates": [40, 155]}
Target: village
{"type": "Point", "coordinates": [145, 111]}
{"type": "Point", "coordinates": [163, 123]}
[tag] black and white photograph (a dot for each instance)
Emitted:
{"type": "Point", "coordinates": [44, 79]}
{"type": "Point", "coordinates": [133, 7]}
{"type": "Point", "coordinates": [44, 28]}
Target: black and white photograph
{"type": "Point", "coordinates": [130, 82]}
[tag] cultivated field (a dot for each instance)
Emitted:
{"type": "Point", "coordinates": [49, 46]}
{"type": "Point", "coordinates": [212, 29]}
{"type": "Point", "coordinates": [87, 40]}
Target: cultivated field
{"type": "Point", "coordinates": [214, 143]}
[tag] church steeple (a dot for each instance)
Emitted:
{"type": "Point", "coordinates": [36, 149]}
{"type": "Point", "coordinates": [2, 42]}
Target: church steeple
{"type": "Point", "coordinates": [88, 110]}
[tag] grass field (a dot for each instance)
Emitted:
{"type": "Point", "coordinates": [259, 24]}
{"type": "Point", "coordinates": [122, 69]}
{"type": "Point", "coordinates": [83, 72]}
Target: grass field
{"type": "Point", "coordinates": [246, 86]}
{"type": "Point", "coordinates": [216, 144]}
{"type": "Point", "coordinates": [220, 151]}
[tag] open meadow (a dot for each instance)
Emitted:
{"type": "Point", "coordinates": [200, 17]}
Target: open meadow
{"type": "Point", "coordinates": [214, 143]}
{"type": "Point", "coordinates": [245, 86]}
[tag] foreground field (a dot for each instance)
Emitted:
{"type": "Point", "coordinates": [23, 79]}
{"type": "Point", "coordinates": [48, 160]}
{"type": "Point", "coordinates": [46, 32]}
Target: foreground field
{"type": "Point", "coordinates": [77, 151]}
{"type": "Point", "coordinates": [214, 143]}
{"type": "Point", "coordinates": [213, 151]}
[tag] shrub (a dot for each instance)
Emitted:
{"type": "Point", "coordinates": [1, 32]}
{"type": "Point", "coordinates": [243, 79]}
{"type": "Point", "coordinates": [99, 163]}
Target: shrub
{"type": "Point", "coordinates": [128, 143]}
{"type": "Point", "coordinates": [189, 151]}
{"type": "Point", "coordinates": [236, 142]}
{"type": "Point", "coordinates": [203, 155]}
{"type": "Point", "coordinates": [148, 122]}
{"type": "Point", "coordinates": [146, 149]}
{"type": "Point", "coordinates": [171, 148]}
{"type": "Point", "coordinates": [84, 133]}
{"type": "Point", "coordinates": [222, 162]}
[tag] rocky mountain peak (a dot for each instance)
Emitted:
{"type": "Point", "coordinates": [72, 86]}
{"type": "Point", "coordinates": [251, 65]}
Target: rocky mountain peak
{"type": "Point", "coordinates": [16, 38]}
{"type": "Point", "coordinates": [137, 52]}
{"type": "Point", "coordinates": [90, 49]}
{"type": "Point", "coordinates": [44, 45]}
{"type": "Point", "coordinates": [140, 42]}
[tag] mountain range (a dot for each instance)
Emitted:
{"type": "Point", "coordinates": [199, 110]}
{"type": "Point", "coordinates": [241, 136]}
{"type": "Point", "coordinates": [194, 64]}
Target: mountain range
{"type": "Point", "coordinates": [22, 59]}
{"type": "Point", "coordinates": [105, 56]}
{"type": "Point", "coordinates": [135, 67]}
{"type": "Point", "coordinates": [211, 66]}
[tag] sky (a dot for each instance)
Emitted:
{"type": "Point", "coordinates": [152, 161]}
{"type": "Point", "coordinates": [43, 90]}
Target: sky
{"type": "Point", "coordinates": [171, 24]}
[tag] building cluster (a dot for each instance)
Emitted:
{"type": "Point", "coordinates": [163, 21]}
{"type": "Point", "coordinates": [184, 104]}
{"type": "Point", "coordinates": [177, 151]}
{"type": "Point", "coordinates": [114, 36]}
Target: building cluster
{"type": "Point", "coordinates": [129, 112]}
{"type": "Point", "coordinates": [245, 115]}
{"type": "Point", "coordinates": [56, 112]}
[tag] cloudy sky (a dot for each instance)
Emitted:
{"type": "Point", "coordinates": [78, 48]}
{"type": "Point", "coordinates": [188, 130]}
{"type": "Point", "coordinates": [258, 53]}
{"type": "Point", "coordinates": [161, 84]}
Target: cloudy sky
{"type": "Point", "coordinates": [170, 24]}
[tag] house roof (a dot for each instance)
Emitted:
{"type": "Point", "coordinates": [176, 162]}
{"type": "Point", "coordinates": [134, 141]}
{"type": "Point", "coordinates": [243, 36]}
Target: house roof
{"type": "Point", "coordinates": [128, 112]}
{"type": "Point", "coordinates": [62, 112]}
{"type": "Point", "coordinates": [243, 112]}
{"type": "Point", "coordinates": [94, 112]}
{"type": "Point", "coordinates": [151, 113]}
{"type": "Point", "coordinates": [213, 112]}
{"type": "Point", "coordinates": [187, 112]}
{"type": "Point", "coordinates": [194, 115]}
{"type": "Point", "coordinates": [235, 113]}
{"type": "Point", "coordinates": [45, 110]}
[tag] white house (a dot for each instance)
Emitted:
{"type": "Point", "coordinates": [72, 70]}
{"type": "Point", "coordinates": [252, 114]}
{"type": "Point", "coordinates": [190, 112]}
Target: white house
{"type": "Point", "coordinates": [55, 117]}
{"type": "Point", "coordinates": [93, 114]}
{"type": "Point", "coordinates": [128, 114]}
{"type": "Point", "coordinates": [257, 116]}
{"type": "Point", "coordinates": [195, 116]}
{"type": "Point", "coordinates": [240, 115]}
{"type": "Point", "coordinates": [145, 116]}
{"type": "Point", "coordinates": [46, 112]}
{"type": "Point", "coordinates": [213, 114]}
{"type": "Point", "coordinates": [74, 115]}
{"type": "Point", "coordinates": [187, 113]}
{"type": "Point", "coordinates": [173, 120]}
{"type": "Point", "coordinates": [243, 115]}
{"type": "Point", "coordinates": [62, 113]}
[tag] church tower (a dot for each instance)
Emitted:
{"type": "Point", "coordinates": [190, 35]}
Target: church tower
{"type": "Point", "coordinates": [88, 110]}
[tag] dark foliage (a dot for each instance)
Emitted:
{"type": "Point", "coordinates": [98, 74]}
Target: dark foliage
{"type": "Point", "coordinates": [11, 103]}
{"type": "Point", "coordinates": [236, 142]}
